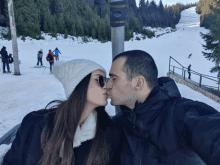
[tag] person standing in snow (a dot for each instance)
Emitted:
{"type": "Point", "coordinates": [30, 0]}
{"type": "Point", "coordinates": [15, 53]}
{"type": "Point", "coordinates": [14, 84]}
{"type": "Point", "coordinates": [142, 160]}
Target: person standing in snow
{"type": "Point", "coordinates": [10, 60]}
{"type": "Point", "coordinates": [189, 71]}
{"type": "Point", "coordinates": [57, 53]}
{"type": "Point", "coordinates": [39, 57]}
{"type": "Point", "coordinates": [50, 59]}
{"type": "Point", "coordinates": [77, 130]}
{"type": "Point", "coordinates": [4, 55]}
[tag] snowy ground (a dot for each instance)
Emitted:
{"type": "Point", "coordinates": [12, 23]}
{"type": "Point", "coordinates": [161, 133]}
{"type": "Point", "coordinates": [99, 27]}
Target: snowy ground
{"type": "Point", "coordinates": [35, 88]}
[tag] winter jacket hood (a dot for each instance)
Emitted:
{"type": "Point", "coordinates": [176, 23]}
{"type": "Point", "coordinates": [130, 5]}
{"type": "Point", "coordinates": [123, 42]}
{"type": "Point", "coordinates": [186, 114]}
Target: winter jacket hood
{"type": "Point", "coordinates": [165, 90]}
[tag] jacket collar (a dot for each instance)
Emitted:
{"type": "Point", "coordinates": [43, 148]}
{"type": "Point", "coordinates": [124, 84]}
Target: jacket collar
{"type": "Point", "coordinates": [144, 113]}
{"type": "Point", "coordinates": [165, 90]}
{"type": "Point", "coordinates": [85, 132]}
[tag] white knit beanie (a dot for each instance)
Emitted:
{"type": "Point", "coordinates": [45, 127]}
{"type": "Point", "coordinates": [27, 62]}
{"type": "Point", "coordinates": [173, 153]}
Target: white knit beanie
{"type": "Point", "coordinates": [70, 73]}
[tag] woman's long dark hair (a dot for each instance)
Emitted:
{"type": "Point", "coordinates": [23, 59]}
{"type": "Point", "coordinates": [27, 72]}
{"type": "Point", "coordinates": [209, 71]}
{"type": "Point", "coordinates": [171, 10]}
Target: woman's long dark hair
{"type": "Point", "coordinates": [67, 117]}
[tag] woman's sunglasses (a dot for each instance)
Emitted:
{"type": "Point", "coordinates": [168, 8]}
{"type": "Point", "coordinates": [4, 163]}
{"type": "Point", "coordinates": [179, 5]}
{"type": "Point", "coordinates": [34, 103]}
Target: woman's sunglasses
{"type": "Point", "coordinates": [102, 80]}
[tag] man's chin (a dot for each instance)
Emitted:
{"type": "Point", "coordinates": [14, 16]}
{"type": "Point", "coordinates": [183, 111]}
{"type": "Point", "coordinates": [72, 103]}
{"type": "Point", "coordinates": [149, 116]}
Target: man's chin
{"type": "Point", "coordinates": [113, 103]}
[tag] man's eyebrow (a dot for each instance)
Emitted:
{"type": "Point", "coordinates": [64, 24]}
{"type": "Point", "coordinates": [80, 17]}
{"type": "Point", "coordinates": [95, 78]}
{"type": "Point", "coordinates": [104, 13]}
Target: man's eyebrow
{"type": "Point", "coordinates": [111, 74]}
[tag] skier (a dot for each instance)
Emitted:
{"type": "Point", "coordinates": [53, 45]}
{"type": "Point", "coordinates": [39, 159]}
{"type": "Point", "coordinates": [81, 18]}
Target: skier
{"type": "Point", "coordinates": [189, 70]}
{"type": "Point", "coordinates": [50, 59]}
{"type": "Point", "coordinates": [4, 54]}
{"type": "Point", "coordinates": [190, 55]}
{"type": "Point", "coordinates": [39, 57]}
{"type": "Point", "coordinates": [57, 53]}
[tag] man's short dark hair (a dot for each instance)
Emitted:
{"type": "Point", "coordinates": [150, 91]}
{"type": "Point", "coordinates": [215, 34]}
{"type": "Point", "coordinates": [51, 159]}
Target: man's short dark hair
{"type": "Point", "coordinates": [138, 63]}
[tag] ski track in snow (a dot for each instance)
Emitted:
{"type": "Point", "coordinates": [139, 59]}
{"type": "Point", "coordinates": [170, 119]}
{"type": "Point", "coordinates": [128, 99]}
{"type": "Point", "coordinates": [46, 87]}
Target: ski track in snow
{"type": "Point", "coordinates": [33, 90]}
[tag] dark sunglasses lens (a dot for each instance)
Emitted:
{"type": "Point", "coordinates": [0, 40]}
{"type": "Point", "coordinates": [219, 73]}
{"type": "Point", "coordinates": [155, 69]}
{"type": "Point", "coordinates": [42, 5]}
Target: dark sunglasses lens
{"type": "Point", "coordinates": [101, 81]}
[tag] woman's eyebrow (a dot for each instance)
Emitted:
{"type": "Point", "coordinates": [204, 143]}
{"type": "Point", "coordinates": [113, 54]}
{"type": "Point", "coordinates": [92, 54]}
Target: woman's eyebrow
{"type": "Point", "coordinates": [111, 75]}
{"type": "Point", "coordinates": [98, 75]}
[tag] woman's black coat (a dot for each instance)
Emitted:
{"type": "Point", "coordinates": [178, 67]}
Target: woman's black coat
{"type": "Point", "coordinates": [26, 148]}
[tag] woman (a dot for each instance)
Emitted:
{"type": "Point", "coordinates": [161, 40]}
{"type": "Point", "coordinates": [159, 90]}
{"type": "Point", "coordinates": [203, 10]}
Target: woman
{"type": "Point", "coordinates": [50, 59]}
{"type": "Point", "coordinates": [78, 131]}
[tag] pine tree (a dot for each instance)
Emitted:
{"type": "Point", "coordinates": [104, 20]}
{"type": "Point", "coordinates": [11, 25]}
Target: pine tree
{"type": "Point", "coordinates": [127, 34]}
{"type": "Point", "coordinates": [152, 7]}
{"type": "Point", "coordinates": [212, 40]}
{"type": "Point", "coordinates": [141, 6]}
{"type": "Point", "coordinates": [73, 30]}
{"type": "Point", "coordinates": [93, 35]}
{"type": "Point", "coordinates": [66, 34]}
{"type": "Point", "coordinates": [60, 23]}
{"type": "Point", "coordinates": [28, 23]}
{"type": "Point", "coordinates": [108, 29]}
{"type": "Point", "coordinates": [100, 32]}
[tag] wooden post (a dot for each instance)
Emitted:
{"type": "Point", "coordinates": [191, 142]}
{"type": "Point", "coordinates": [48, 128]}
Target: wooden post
{"type": "Point", "coordinates": [13, 37]}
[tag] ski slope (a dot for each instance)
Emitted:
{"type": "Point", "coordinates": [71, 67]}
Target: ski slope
{"type": "Point", "coordinates": [35, 88]}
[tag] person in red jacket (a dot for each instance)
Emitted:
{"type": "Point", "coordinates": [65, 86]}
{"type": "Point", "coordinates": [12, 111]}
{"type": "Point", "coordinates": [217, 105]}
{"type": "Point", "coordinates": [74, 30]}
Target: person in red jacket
{"type": "Point", "coordinates": [50, 59]}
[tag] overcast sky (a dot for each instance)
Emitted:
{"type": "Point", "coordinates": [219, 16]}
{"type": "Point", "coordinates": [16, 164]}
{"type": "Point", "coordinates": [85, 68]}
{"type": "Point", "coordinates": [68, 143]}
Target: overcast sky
{"type": "Point", "coordinates": [170, 2]}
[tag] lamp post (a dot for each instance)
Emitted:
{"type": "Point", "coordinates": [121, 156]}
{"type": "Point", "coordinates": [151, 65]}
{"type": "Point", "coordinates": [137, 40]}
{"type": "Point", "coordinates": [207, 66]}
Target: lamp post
{"type": "Point", "coordinates": [117, 22]}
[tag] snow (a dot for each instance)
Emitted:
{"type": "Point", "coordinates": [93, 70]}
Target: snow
{"type": "Point", "coordinates": [35, 88]}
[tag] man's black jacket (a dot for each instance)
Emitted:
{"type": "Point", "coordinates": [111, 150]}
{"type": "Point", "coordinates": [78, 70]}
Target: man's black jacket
{"type": "Point", "coordinates": [4, 54]}
{"type": "Point", "coordinates": [169, 130]}
{"type": "Point", "coordinates": [189, 68]}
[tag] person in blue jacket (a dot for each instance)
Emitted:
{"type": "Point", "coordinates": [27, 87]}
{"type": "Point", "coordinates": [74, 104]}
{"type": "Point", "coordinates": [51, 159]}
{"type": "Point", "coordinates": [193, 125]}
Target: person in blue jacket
{"type": "Point", "coordinates": [57, 53]}
{"type": "Point", "coordinates": [159, 126]}
{"type": "Point", "coordinates": [190, 55]}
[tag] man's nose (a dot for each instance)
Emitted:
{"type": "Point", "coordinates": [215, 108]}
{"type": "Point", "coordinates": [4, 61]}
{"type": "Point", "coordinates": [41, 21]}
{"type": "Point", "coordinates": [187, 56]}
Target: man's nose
{"type": "Point", "coordinates": [108, 85]}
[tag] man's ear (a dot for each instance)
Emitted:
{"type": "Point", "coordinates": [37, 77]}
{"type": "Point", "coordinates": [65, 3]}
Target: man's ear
{"type": "Point", "coordinates": [138, 83]}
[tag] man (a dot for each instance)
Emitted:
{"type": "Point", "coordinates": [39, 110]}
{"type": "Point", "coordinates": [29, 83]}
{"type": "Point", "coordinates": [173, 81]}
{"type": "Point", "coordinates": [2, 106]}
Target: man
{"type": "Point", "coordinates": [159, 126]}
{"type": "Point", "coordinates": [4, 54]}
{"type": "Point", "coordinates": [189, 71]}
{"type": "Point", "coordinates": [50, 59]}
{"type": "Point", "coordinates": [39, 57]}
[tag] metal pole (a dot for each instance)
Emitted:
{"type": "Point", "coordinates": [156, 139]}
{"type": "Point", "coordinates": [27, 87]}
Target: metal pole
{"type": "Point", "coordinates": [169, 64]}
{"type": "Point", "coordinates": [117, 36]}
{"type": "Point", "coordinates": [173, 69]}
{"type": "Point", "coordinates": [200, 81]}
{"type": "Point", "coordinates": [218, 84]}
{"type": "Point", "coordinates": [13, 37]}
{"type": "Point", "coordinates": [184, 74]}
